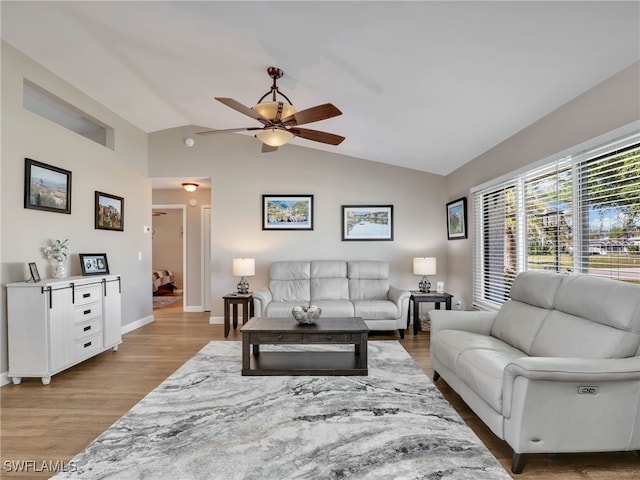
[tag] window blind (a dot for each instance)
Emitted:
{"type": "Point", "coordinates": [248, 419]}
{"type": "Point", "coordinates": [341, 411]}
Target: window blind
{"type": "Point", "coordinates": [579, 213]}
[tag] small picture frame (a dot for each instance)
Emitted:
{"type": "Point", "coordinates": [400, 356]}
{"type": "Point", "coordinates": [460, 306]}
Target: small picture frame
{"type": "Point", "coordinates": [35, 275]}
{"type": "Point", "coordinates": [439, 287]}
{"type": "Point", "coordinates": [94, 264]}
{"type": "Point", "coordinates": [109, 212]}
{"type": "Point", "coordinates": [46, 187]}
{"type": "Point", "coordinates": [457, 219]}
{"type": "Point", "coordinates": [367, 222]}
{"type": "Point", "coordinates": [287, 212]}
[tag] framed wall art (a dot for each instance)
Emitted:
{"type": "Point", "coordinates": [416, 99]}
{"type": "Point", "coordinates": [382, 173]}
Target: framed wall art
{"type": "Point", "coordinates": [109, 212]}
{"type": "Point", "coordinates": [457, 219]}
{"type": "Point", "coordinates": [46, 187]}
{"type": "Point", "coordinates": [94, 263]}
{"type": "Point", "coordinates": [287, 212]}
{"type": "Point", "coordinates": [367, 222]}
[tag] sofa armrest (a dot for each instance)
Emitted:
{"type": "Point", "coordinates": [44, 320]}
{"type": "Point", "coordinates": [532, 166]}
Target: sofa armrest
{"type": "Point", "coordinates": [400, 298]}
{"type": "Point", "coordinates": [568, 370]}
{"type": "Point", "coordinates": [468, 321]}
{"type": "Point", "coordinates": [261, 298]}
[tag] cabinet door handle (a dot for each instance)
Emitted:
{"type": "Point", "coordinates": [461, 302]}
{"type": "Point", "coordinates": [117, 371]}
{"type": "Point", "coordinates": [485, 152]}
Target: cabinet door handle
{"type": "Point", "coordinates": [328, 337]}
{"type": "Point", "coordinates": [87, 312]}
{"type": "Point", "coordinates": [88, 344]}
{"type": "Point", "coordinates": [279, 337]}
{"type": "Point", "coordinates": [87, 328]}
{"type": "Point", "coordinates": [86, 295]}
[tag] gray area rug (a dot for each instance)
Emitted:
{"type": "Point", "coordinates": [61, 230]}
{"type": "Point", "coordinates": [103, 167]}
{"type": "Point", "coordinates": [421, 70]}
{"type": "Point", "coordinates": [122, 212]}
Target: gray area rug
{"type": "Point", "coordinates": [162, 301]}
{"type": "Point", "coordinates": [206, 421]}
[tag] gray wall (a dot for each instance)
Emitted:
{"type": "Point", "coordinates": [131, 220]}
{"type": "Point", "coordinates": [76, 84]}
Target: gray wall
{"type": "Point", "coordinates": [613, 104]}
{"type": "Point", "coordinates": [240, 174]}
{"type": "Point", "coordinates": [121, 172]}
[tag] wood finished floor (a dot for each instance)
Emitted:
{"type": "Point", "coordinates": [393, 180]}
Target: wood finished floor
{"type": "Point", "coordinates": [52, 423]}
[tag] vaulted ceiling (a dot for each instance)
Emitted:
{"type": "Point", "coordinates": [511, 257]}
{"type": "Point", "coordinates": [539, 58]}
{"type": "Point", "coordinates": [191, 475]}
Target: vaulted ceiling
{"type": "Point", "coordinates": [424, 85]}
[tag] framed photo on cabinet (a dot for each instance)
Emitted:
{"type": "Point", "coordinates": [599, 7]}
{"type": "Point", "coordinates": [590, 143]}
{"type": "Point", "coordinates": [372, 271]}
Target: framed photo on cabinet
{"type": "Point", "coordinates": [94, 264]}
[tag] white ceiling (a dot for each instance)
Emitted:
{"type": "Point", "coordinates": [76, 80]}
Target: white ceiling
{"type": "Point", "coordinates": [424, 85]}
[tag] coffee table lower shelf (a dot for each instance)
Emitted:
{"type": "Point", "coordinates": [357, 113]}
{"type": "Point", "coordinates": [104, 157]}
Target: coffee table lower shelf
{"type": "Point", "coordinates": [305, 363]}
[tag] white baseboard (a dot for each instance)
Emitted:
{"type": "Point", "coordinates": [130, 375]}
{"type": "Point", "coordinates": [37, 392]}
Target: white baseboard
{"type": "Point", "coordinates": [4, 379]}
{"type": "Point", "coordinates": [130, 327]}
{"type": "Point", "coordinates": [194, 309]}
{"type": "Point", "coordinates": [216, 320]}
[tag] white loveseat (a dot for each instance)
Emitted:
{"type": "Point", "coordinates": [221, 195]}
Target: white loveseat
{"type": "Point", "coordinates": [339, 288]}
{"type": "Point", "coordinates": [556, 369]}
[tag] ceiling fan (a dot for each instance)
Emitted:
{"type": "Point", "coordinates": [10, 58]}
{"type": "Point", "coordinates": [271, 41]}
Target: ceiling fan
{"type": "Point", "coordinates": [280, 120]}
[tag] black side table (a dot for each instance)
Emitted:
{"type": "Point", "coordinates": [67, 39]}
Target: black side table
{"type": "Point", "coordinates": [418, 297]}
{"type": "Point", "coordinates": [235, 299]}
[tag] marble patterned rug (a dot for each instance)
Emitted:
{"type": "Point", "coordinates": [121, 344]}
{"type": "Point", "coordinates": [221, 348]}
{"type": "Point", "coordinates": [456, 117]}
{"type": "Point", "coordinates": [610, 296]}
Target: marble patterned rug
{"type": "Point", "coordinates": [206, 421]}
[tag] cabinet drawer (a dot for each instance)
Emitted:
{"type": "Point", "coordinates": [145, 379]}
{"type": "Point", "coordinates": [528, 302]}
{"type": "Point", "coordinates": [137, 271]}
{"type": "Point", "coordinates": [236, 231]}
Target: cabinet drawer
{"type": "Point", "coordinates": [87, 294]}
{"type": "Point", "coordinates": [87, 312]}
{"type": "Point", "coordinates": [330, 338]}
{"type": "Point", "coordinates": [87, 329]}
{"type": "Point", "coordinates": [277, 337]}
{"type": "Point", "coordinates": [88, 347]}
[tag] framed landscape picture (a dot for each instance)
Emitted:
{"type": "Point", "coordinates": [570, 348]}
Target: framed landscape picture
{"type": "Point", "coordinates": [287, 212]}
{"type": "Point", "coordinates": [94, 263]}
{"type": "Point", "coordinates": [369, 222]}
{"type": "Point", "coordinates": [46, 187]}
{"type": "Point", "coordinates": [457, 219]}
{"type": "Point", "coordinates": [109, 212]}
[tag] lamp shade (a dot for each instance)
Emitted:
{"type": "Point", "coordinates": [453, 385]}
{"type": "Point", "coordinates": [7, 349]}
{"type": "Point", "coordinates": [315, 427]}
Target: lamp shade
{"type": "Point", "coordinates": [274, 137]}
{"type": "Point", "coordinates": [424, 266]}
{"type": "Point", "coordinates": [244, 267]}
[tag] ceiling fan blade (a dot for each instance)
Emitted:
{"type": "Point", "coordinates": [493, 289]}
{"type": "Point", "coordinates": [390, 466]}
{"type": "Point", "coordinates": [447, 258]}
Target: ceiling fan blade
{"type": "Point", "coordinates": [317, 136]}
{"type": "Point", "coordinates": [229, 130]}
{"type": "Point", "coordinates": [313, 114]}
{"type": "Point", "coordinates": [231, 103]}
{"type": "Point", "coordinates": [268, 148]}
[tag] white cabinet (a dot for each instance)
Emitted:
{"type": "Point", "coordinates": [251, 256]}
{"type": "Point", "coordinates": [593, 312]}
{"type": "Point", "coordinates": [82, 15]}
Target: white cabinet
{"type": "Point", "coordinates": [55, 324]}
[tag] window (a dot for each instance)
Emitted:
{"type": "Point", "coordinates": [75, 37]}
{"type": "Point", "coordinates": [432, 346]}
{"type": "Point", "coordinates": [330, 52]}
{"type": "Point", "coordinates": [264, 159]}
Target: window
{"type": "Point", "coordinates": [579, 213]}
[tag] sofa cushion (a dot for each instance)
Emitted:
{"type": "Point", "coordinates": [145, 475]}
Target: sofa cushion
{"type": "Point", "coordinates": [518, 324]}
{"type": "Point", "coordinates": [448, 345]}
{"type": "Point", "coordinates": [600, 300]}
{"type": "Point", "coordinates": [281, 309]}
{"type": "Point", "coordinates": [368, 280]}
{"type": "Point", "coordinates": [329, 281]}
{"type": "Point", "coordinates": [290, 281]}
{"type": "Point", "coordinates": [335, 308]}
{"type": "Point", "coordinates": [375, 309]}
{"type": "Point", "coordinates": [536, 287]}
{"type": "Point", "coordinates": [564, 335]}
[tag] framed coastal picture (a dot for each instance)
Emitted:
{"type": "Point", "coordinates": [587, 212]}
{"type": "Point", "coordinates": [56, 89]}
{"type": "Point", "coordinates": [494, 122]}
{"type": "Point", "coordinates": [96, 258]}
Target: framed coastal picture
{"type": "Point", "coordinates": [94, 263]}
{"type": "Point", "coordinates": [287, 212]}
{"type": "Point", "coordinates": [46, 187]}
{"type": "Point", "coordinates": [109, 212]}
{"type": "Point", "coordinates": [367, 222]}
{"type": "Point", "coordinates": [457, 219]}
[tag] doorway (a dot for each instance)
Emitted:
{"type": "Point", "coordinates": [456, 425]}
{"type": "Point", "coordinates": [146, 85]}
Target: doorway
{"type": "Point", "coordinates": [169, 247]}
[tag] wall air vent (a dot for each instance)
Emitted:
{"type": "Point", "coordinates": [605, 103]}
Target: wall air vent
{"type": "Point", "coordinates": [47, 105]}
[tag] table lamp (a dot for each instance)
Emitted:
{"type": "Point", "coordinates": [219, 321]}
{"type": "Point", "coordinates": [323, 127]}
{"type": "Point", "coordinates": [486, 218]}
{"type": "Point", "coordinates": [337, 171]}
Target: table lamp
{"type": "Point", "coordinates": [244, 267]}
{"type": "Point", "coordinates": [424, 266]}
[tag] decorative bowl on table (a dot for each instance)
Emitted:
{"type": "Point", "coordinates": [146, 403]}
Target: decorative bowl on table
{"type": "Point", "coordinates": [306, 315]}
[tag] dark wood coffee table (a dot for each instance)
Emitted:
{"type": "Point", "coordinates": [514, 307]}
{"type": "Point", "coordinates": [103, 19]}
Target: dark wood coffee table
{"type": "Point", "coordinates": [279, 331]}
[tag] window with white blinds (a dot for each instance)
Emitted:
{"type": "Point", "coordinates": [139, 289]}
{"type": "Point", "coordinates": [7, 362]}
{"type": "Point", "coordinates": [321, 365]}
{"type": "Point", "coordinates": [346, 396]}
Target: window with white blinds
{"type": "Point", "coordinates": [579, 213]}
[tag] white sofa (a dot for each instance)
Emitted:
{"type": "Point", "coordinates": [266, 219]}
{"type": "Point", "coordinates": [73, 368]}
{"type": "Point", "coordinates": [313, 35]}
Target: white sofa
{"type": "Point", "coordinates": [339, 288]}
{"type": "Point", "coordinates": [556, 369]}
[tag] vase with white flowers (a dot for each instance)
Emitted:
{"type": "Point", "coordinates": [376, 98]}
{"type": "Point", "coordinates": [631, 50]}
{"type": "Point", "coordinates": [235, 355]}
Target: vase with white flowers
{"type": "Point", "coordinates": [58, 251]}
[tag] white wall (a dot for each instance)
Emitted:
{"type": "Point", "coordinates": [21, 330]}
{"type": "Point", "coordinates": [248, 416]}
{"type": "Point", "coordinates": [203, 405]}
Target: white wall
{"type": "Point", "coordinates": [121, 172]}
{"type": "Point", "coordinates": [608, 106]}
{"type": "Point", "coordinates": [241, 174]}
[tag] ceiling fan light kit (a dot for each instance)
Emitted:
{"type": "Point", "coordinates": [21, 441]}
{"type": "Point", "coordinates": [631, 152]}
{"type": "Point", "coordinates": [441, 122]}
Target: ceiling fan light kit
{"type": "Point", "coordinates": [280, 118]}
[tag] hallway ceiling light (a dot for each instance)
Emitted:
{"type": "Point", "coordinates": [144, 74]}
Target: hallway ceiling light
{"type": "Point", "coordinates": [190, 187]}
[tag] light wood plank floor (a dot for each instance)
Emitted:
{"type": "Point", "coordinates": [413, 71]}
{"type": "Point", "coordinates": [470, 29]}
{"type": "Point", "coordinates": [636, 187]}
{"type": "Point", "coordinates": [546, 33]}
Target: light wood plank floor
{"type": "Point", "coordinates": [52, 423]}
